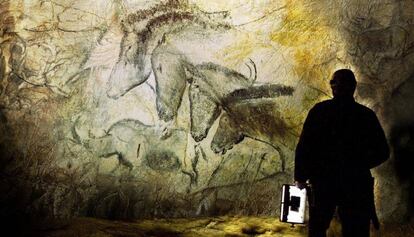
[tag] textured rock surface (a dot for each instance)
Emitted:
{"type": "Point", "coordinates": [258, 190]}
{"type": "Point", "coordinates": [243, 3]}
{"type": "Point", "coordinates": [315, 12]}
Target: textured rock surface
{"type": "Point", "coordinates": [216, 226]}
{"type": "Point", "coordinates": [127, 109]}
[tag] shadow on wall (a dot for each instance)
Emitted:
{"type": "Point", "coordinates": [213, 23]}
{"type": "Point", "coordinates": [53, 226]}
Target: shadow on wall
{"type": "Point", "coordinates": [380, 47]}
{"type": "Point", "coordinates": [402, 141]}
{"type": "Point", "coordinates": [17, 195]}
{"type": "Point", "coordinates": [401, 111]}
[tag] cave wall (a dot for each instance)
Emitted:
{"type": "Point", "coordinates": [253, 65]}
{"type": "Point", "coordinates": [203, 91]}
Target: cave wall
{"type": "Point", "coordinates": [130, 109]}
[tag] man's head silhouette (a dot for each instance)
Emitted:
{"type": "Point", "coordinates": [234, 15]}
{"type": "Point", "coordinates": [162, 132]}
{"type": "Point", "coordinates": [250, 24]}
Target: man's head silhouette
{"type": "Point", "coordinates": [343, 83]}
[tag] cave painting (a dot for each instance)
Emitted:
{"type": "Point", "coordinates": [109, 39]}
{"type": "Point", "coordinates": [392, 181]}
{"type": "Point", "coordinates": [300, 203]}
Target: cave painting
{"type": "Point", "coordinates": [248, 113]}
{"type": "Point", "coordinates": [135, 145]}
{"type": "Point", "coordinates": [187, 97]}
{"type": "Point", "coordinates": [153, 42]}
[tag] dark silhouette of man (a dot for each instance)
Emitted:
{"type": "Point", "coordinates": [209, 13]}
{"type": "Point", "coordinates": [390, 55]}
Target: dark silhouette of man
{"type": "Point", "coordinates": [340, 142]}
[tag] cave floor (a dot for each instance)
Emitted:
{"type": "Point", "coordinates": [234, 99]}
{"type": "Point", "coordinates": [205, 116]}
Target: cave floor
{"type": "Point", "coordinates": [212, 226]}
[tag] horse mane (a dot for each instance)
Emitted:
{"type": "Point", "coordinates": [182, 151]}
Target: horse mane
{"type": "Point", "coordinates": [258, 92]}
{"type": "Point", "coordinates": [221, 69]}
{"type": "Point", "coordinates": [156, 10]}
{"type": "Point", "coordinates": [128, 122]}
{"type": "Point", "coordinates": [170, 12]}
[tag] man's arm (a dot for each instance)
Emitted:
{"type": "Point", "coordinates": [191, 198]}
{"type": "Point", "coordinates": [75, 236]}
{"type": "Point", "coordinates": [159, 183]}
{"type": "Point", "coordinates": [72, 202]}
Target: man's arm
{"type": "Point", "coordinates": [303, 149]}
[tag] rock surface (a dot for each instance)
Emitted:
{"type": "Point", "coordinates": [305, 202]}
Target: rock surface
{"type": "Point", "coordinates": [215, 226]}
{"type": "Point", "coordinates": [115, 109]}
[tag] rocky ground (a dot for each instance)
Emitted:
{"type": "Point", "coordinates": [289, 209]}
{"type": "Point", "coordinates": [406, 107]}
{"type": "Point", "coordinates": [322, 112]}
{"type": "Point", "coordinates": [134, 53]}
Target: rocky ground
{"type": "Point", "coordinates": [208, 226]}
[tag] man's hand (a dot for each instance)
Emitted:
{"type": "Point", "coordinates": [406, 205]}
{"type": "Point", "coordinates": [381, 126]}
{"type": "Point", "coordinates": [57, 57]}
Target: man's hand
{"type": "Point", "coordinates": [300, 185]}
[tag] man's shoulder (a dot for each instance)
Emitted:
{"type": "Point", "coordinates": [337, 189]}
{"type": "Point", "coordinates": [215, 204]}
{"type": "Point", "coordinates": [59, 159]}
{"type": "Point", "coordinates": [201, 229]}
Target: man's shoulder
{"type": "Point", "coordinates": [327, 104]}
{"type": "Point", "coordinates": [330, 106]}
{"type": "Point", "coordinates": [322, 105]}
{"type": "Point", "coordinates": [364, 109]}
{"type": "Point", "coordinates": [320, 108]}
